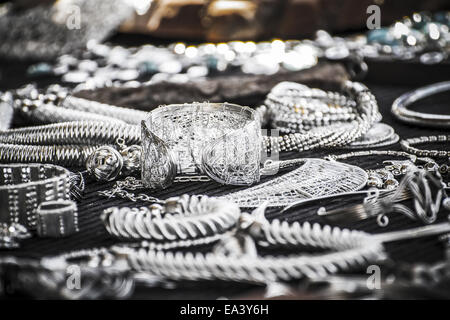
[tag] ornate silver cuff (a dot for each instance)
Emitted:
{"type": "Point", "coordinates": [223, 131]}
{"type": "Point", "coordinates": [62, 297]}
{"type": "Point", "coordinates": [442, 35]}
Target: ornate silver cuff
{"type": "Point", "coordinates": [220, 140]}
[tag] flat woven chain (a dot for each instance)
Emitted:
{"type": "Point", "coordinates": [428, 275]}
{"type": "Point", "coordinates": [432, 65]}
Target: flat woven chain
{"type": "Point", "coordinates": [67, 155]}
{"type": "Point", "coordinates": [354, 249]}
{"type": "Point", "coordinates": [76, 132]}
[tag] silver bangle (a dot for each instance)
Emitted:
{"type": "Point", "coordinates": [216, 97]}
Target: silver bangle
{"type": "Point", "coordinates": [24, 187]}
{"type": "Point", "coordinates": [400, 111]}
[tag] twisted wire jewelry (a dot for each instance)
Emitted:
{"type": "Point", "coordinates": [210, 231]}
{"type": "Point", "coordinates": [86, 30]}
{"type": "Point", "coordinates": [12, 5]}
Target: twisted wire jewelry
{"type": "Point", "coordinates": [385, 178]}
{"type": "Point", "coordinates": [408, 144]}
{"type": "Point", "coordinates": [122, 266]}
{"type": "Point", "coordinates": [75, 132]}
{"type": "Point", "coordinates": [181, 222]}
{"type": "Point", "coordinates": [400, 111]}
{"type": "Point", "coordinates": [68, 156]}
{"type": "Point", "coordinates": [424, 187]}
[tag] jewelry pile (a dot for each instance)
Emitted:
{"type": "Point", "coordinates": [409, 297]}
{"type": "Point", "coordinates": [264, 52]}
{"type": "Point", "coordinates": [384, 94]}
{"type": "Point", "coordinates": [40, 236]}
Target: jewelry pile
{"type": "Point", "coordinates": [135, 159]}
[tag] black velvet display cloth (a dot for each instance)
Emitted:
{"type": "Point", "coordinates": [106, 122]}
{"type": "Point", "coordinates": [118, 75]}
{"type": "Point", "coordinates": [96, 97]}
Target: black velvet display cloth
{"type": "Point", "coordinates": [93, 234]}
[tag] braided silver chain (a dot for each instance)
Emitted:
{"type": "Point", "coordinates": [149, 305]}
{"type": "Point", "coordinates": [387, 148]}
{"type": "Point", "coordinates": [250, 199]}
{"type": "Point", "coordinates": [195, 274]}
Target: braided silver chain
{"type": "Point", "coordinates": [355, 248]}
{"type": "Point", "coordinates": [67, 155]}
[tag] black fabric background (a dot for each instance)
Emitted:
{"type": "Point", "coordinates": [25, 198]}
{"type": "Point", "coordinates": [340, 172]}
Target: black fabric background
{"type": "Point", "coordinates": [92, 233]}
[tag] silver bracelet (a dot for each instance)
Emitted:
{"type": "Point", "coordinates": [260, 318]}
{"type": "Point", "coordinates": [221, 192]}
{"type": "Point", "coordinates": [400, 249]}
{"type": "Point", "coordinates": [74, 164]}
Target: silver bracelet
{"type": "Point", "coordinates": [35, 197]}
{"type": "Point", "coordinates": [400, 111]}
{"type": "Point", "coordinates": [24, 187]}
{"type": "Point", "coordinates": [184, 221]}
{"type": "Point", "coordinates": [408, 144]}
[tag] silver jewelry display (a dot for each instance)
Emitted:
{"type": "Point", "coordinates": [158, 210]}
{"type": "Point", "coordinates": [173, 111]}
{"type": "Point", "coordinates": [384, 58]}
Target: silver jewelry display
{"type": "Point", "coordinates": [234, 257]}
{"type": "Point", "coordinates": [221, 159]}
{"type": "Point", "coordinates": [314, 178]}
{"type": "Point", "coordinates": [408, 144]}
{"type": "Point", "coordinates": [400, 111]}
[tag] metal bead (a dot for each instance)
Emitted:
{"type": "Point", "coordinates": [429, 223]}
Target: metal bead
{"type": "Point", "coordinates": [105, 163]}
{"type": "Point", "coordinates": [390, 184]}
{"type": "Point", "coordinates": [374, 182]}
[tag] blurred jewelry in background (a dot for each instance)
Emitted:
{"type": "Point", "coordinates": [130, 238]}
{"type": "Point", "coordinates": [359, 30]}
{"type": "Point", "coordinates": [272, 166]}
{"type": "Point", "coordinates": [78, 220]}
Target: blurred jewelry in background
{"type": "Point", "coordinates": [46, 31]}
{"type": "Point", "coordinates": [422, 36]}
